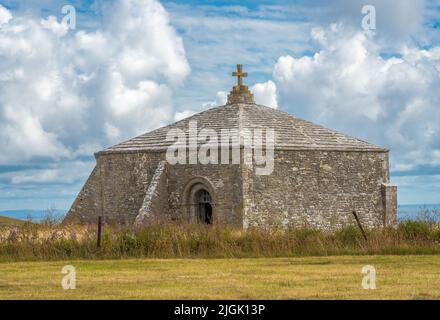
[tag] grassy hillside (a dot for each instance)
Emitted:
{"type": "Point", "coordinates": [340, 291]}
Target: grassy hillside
{"type": "Point", "coordinates": [334, 277]}
{"type": "Point", "coordinates": [6, 221]}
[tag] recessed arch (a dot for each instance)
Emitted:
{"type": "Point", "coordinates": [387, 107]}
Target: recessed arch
{"type": "Point", "coordinates": [199, 200]}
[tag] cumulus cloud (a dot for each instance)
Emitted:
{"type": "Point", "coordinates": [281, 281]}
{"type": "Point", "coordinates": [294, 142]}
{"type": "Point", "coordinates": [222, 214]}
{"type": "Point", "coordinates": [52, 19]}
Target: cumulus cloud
{"type": "Point", "coordinates": [51, 23]}
{"type": "Point", "coordinates": [221, 99]}
{"type": "Point", "coordinates": [43, 176]}
{"type": "Point", "coordinates": [349, 85]}
{"type": "Point", "coordinates": [43, 185]}
{"type": "Point", "coordinates": [184, 114]}
{"type": "Point", "coordinates": [5, 15]}
{"type": "Point", "coordinates": [219, 37]}
{"type": "Point", "coordinates": [63, 91]}
{"type": "Point", "coordinates": [266, 94]}
{"type": "Point", "coordinates": [396, 21]}
{"type": "Point", "coordinates": [66, 172]}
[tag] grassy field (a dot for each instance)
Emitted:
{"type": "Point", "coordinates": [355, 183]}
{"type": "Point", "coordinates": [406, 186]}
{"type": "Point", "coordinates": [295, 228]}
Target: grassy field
{"type": "Point", "coordinates": [334, 277]}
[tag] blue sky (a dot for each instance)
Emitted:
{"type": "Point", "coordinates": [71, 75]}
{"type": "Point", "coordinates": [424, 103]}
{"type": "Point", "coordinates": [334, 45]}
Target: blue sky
{"type": "Point", "coordinates": [131, 66]}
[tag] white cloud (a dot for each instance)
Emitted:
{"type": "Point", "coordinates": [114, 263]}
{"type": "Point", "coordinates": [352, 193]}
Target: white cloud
{"type": "Point", "coordinates": [348, 85]}
{"type": "Point", "coordinates": [62, 90]}
{"type": "Point", "coordinates": [182, 115]}
{"type": "Point", "coordinates": [147, 44]}
{"type": "Point", "coordinates": [24, 137]}
{"type": "Point", "coordinates": [50, 175]}
{"type": "Point", "coordinates": [5, 15]}
{"type": "Point", "coordinates": [59, 173]}
{"type": "Point", "coordinates": [266, 94]}
{"type": "Point", "coordinates": [217, 38]}
{"type": "Point", "coordinates": [395, 23]}
{"type": "Point", "coordinates": [221, 99]}
{"type": "Point", "coordinates": [51, 23]}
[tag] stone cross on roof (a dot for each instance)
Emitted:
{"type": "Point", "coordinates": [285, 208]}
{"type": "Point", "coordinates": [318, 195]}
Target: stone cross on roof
{"type": "Point", "coordinates": [240, 93]}
{"type": "Point", "coordinates": [239, 74]}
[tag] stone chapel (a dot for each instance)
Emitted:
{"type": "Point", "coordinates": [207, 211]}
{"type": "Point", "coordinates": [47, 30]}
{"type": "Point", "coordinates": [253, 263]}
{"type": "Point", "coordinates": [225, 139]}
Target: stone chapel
{"type": "Point", "coordinates": [319, 177]}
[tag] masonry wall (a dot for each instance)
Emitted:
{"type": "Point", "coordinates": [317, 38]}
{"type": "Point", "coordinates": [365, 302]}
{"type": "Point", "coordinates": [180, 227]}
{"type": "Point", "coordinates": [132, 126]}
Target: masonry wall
{"type": "Point", "coordinates": [319, 190]}
{"type": "Point", "coordinates": [125, 180]}
{"type": "Point", "coordinates": [307, 189]}
{"type": "Point", "coordinates": [225, 181]}
{"type": "Point", "coordinates": [389, 195]}
{"type": "Point", "coordinates": [154, 208]}
{"type": "Point", "coordinates": [116, 188]}
{"type": "Point", "coordinates": [87, 205]}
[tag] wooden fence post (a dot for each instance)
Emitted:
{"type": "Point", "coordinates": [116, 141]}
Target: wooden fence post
{"type": "Point", "coordinates": [99, 232]}
{"type": "Point", "coordinates": [359, 225]}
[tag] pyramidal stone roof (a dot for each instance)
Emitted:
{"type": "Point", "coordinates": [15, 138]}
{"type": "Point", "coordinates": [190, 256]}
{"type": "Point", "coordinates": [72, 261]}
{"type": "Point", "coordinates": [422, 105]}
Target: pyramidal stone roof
{"type": "Point", "coordinates": [241, 113]}
{"type": "Point", "coordinates": [291, 133]}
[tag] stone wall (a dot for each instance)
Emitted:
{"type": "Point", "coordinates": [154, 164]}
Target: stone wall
{"type": "Point", "coordinates": [125, 181]}
{"type": "Point", "coordinates": [225, 181]}
{"type": "Point", "coordinates": [126, 177]}
{"type": "Point", "coordinates": [315, 189]}
{"type": "Point", "coordinates": [155, 205]}
{"type": "Point", "coordinates": [318, 189]}
{"type": "Point", "coordinates": [87, 205]}
{"type": "Point", "coordinates": [389, 195]}
{"type": "Point", "coordinates": [117, 187]}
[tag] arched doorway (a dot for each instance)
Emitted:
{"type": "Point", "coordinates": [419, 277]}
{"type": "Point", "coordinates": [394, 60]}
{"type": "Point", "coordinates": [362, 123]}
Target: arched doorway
{"type": "Point", "coordinates": [204, 206]}
{"type": "Point", "coordinates": [199, 201]}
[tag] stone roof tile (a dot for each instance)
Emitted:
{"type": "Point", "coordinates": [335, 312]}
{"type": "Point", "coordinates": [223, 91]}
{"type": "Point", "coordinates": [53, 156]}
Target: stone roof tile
{"type": "Point", "coordinates": [290, 132]}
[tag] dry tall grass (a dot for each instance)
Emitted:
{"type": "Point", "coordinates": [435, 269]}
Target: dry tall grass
{"type": "Point", "coordinates": [50, 241]}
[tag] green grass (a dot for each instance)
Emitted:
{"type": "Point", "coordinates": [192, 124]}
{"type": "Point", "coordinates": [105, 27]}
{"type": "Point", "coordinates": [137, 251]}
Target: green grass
{"type": "Point", "coordinates": [332, 277]}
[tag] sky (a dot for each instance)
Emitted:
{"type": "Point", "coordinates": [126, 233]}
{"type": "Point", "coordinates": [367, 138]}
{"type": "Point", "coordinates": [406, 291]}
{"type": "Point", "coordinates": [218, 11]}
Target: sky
{"type": "Point", "coordinates": [130, 66]}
